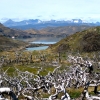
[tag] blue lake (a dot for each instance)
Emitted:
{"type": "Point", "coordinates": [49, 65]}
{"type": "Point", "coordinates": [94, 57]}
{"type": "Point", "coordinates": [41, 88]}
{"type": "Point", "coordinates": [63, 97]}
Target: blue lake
{"type": "Point", "coordinates": [37, 48]}
{"type": "Point", "coordinates": [42, 41]}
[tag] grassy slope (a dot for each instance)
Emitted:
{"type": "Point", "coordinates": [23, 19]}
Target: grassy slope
{"type": "Point", "coordinates": [85, 41]}
{"type": "Point", "coordinates": [8, 43]}
{"type": "Point", "coordinates": [8, 32]}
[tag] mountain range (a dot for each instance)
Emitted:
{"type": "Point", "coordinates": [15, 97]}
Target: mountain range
{"type": "Point", "coordinates": [39, 24]}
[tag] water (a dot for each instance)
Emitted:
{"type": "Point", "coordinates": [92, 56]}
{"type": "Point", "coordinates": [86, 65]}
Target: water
{"type": "Point", "coordinates": [42, 41]}
{"type": "Point", "coordinates": [37, 48]}
{"type": "Point", "coordinates": [41, 47]}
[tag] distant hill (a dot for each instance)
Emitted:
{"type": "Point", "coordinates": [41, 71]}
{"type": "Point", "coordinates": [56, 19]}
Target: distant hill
{"type": "Point", "coordinates": [56, 31]}
{"type": "Point", "coordinates": [32, 31]}
{"type": "Point", "coordinates": [63, 31]}
{"type": "Point", "coordinates": [8, 32]}
{"type": "Point", "coordinates": [8, 44]}
{"type": "Point", "coordinates": [84, 41]}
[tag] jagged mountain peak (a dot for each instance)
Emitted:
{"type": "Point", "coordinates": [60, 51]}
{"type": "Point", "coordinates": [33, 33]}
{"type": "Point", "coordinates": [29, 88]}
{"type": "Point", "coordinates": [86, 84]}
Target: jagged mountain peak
{"type": "Point", "coordinates": [9, 21]}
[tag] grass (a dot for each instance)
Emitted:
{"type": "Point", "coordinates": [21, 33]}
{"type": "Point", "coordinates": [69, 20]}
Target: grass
{"type": "Point", "coordinates": [84, 41]}
{"type": "Point", "coordinates": [32, 68]}
{"type": "Point", "coordinates": [50, 56]}
{"type": "Point", "coordinates": [75, 93]}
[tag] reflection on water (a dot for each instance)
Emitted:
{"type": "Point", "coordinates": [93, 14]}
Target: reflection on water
{"type": "Point", "coordinates": [37, 48]}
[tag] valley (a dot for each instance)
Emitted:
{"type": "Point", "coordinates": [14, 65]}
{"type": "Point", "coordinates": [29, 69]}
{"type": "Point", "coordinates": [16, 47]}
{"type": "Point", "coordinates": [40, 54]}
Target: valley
{"type": "Point", "coordinates": [69, 68]}
{"type": "Point", "coordinates": [49, 49]}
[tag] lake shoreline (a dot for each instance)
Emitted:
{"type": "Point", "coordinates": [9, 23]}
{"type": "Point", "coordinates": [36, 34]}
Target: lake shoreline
{"type": "Point", "coordinates": [40, 44]}
{"type": "Point", "coordinates": [36, 45]}
{"type": "Point", "coordinates": [33, 46]}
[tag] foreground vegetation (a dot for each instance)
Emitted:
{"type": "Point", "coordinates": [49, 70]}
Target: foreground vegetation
{"type": "Point", "coordinates": [43, 63]}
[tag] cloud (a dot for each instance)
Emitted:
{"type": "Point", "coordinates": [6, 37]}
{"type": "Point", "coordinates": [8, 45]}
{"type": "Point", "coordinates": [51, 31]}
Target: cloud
{"type": "Point", "coordinates": [46, 9]}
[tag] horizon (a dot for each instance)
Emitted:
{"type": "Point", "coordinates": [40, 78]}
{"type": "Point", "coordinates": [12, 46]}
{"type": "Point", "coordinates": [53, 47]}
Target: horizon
{"type": "Point", "coordinates": [71, 20]}
{"type": "Point", "coordinates": [50, 10]}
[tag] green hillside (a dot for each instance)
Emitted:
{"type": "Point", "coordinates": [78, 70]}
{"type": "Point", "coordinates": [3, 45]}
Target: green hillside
{"type": "Point", "coordinates": [84, 41]}
{"type": "Point", "coordinates": [8, 43]}
{"type": "Point", "coordinates": [8, 32]}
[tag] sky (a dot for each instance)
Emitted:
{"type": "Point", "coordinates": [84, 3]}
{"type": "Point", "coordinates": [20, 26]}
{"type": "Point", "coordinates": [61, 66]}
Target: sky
{"type": "Point", "coordinates": [50, 9]}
